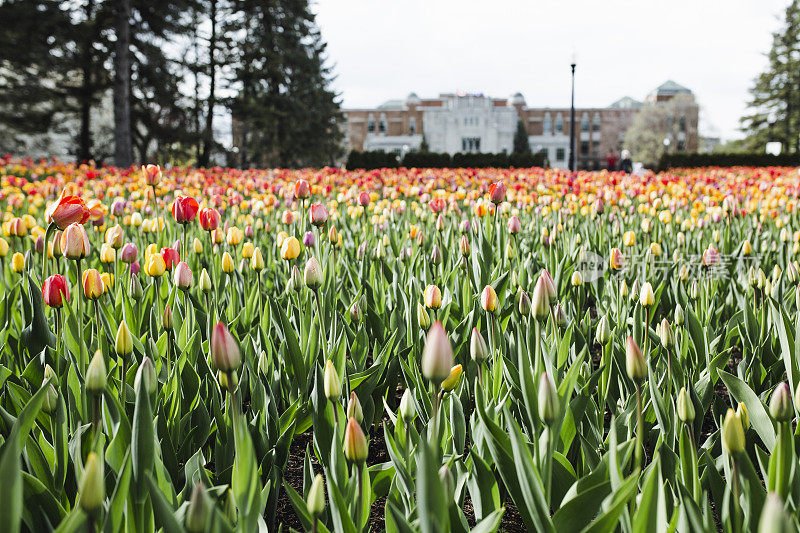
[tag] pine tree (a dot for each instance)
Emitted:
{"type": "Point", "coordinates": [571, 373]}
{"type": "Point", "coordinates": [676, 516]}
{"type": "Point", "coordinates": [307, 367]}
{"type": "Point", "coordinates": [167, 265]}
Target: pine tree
{"type": "Point", "coordinates": [775, 95]}
{"type": "Point", "coordinates": [521, 144]}
{"type": "Point", "coordinates": [285, 113]}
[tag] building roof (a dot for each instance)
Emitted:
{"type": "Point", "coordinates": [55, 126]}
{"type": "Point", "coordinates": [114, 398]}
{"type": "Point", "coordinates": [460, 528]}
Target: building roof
{"type": "Point", "coordinates": [392, 104]}
{"type": "Point", "coordinates": [670, 87]}
{"type": "Point", "coordinates": [626, 102]}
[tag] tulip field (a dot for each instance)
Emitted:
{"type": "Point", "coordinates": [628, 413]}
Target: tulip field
{"type": "Point", "coordinates": [398, 349]}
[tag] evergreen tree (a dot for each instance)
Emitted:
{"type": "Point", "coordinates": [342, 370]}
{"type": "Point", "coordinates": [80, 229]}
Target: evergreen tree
{"type": "Point", "coordinates": [521, 144]}
{"type": "Point", "coordinates": [775, 95]}
{"type": "Point", "coordinates": [284, 110]}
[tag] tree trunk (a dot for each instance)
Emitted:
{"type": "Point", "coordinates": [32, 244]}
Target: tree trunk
{"type": "Point", "coordinates": [84, 152]}
{"type": "Point", "coordinates": [123, 145]}
{"type": "Point", "coordinates": [208, 134]}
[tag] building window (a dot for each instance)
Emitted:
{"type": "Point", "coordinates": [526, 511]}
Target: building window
{"type": "Point", "coordinates": [595, 148]}
{"type": "Point", "coordinates": [682, 123]}
{"type": "Point", "coordinates": [547, 124]}
{"type": "Point", "coordinates": [371, 124]}
{"type": "Point", "coordinates": [585, 147]}
{"type": "Point", "coordinates": [560, 153]}
{"type": "Point", "coordinates": [382, 124]}
{"type": "Point", "coordinates": [470, 144]}
{"type": "Point", "coordinates": [585, 122]}
{"type": "Point", "coordinates": [596, 123]}
{"type": "Point", "coordinates": [681, 145]}
{"type": "Point", "coordinates": [412, 126]}
{"type": "Point", "coordinates": [559, 123]}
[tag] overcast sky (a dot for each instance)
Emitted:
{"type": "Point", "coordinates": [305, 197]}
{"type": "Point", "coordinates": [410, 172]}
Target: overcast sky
{"type": "Point", "coordinates": [383, 49]}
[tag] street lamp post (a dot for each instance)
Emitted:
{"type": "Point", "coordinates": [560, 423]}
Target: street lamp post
{"type": "Point", "coordinates": [572, 121]}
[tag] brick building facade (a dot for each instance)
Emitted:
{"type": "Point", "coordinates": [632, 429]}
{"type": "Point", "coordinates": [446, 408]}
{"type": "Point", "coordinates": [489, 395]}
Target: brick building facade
{"type": "Point", "coordinates": [456, 122]}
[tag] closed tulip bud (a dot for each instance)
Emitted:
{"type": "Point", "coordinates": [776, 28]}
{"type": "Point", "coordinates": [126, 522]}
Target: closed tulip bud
{"type": "Point", "coordinates": [354, 408]}
{"type": "Point", "coordinates": [205, 281]}
{"type": "Point", "coordinates": [550, 285]}
{"type": "Point", "coordinates": [332, 383]}
{"type": "Point", "coordinates": [355, 312]}
{"type": "Point", "coordinates": [183, 276]}
{"type": "Point", "coordinates": [436, 255]}
{"type": "Point", "coordinates": [166, 318]}
{"type": "Point", "coordinates": [257, 261]}
{"type": "Point", "coordinates": [774, 518]}
{"type": "Point", "coordinates": [747, 248]}
{"type": "Point", "coordinates": [4, 246]}
{"type": "Point", "coordinates": [678, 315]}
{"type": "Point", "coordinates": [224, 349]}
{"type": "Point", "coordinates": [432, 297]}
{"type": "Point", "coordinates": [780, 405]}
{"type": "Point", "coordinates": [318, 215]}
{"type": "Point", "coordinates": [423, 318]}
{"type": "Point", "coordinates": [333, 235]}
{"type": "Point", "coordinates": [540, 300]}
{"type": "Point", "coordinates": [685, 406]}
{"type": "Point", "coordinates": [93, 486]}
{"type": "Point", "coordinates": [791, 272]}
{"type": "Point", "coordinates": [296, 279]}
{"type": "Point", "coordinates": [247, 250]}
{"type": "Point", "coordinates": [145, 377]}
{"type": "Point", "coordinates": [559, 316]}
{"type": "Point", "coordinates": [665, 334]}
{"type": "Point", "coordinates": [316, 497]}
{"type": "Point", "coordinates": [733, 433]}
{"type": "Point", "coordinates": [478, 349]}
{"type": "Point", "coordinates": [355, 443]}
{"type": "Point", "coordinates": [514, 225]}
{"type": "Point", "coordinates": [603, 332]}
{"type": "Point", "coordinates": [51, 396]}
{"type": "Point", "coordinates": [694, 290]}
{"type": "Point", "coordinates": [135, 290]}
{"type": "Point", "coordinates": [55, 291]}
{"type": "Point", "coordinates": [123, 343]}
{"type": "Point", "coordinates": [489, 301]}
{"type": "Point", "coordinates": [362, 250]}
{"type": "Point", "coordinates": [197, 246]}
{"type": "Point", "coordinates": [312, 275]}
{"type": "Point", "coordinates": [463, 246]}
{"type": "Point", "coordinates": [408, 409]}
{"type": "Point", "coordinates": [523, 302]}
{"type": "Point", "coordinates": [635, 364]}
{"type": "Point", "coordinates": [548, 400]}
{"type": "Point", "coordinates": [437, 356]}
{"type": "Point", "coordinates": [623, 289]}
{"type": "Point", "coordinates": [744, 416]}
{"type": "Point", "coordinates": [452, 380]}
{"type": "Point", "coordinates": [577, 279]}
{"type": "Point", "coordinates": [198, 511]}
{"type": "Point", "coordinates": [96, 374]}
{"type": "Point", "coordinates": [227, 263]}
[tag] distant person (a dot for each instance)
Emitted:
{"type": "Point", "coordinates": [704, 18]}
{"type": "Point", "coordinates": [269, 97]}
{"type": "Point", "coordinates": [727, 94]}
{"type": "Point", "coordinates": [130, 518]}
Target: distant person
{"type": "Point", "coordinates": [611, 161]}
{"type": "Point", "coordinates": [626, 165]}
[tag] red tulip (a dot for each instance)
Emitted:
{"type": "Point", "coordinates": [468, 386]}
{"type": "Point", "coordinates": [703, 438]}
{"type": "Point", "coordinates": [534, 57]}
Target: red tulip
{"type": "Point", "coordinates": [437, 205]}
{"type": "Point", "coordinates": [55, 291]}
{"type": "Point", "coordinates": [171, 257]}
{"type": "Point", "coordinates": [184, 209]}
{"type": "Point", "coordinates": [67, 210]}
{"type": "Point", "coordinates": [302, 189]}
{"type": "Point", "coordinates": [363, 199]}
{"type": "Point", "coordinates": [497, 192]}
{"type": "Point", "coordinates": [209, 218]}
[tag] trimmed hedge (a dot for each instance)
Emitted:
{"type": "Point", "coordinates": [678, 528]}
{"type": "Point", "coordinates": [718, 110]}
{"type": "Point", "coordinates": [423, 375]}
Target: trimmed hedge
{"type": "Point", "coordinates": [693, 160]}
{"type": "Point", "coordinates": [380, 159]}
